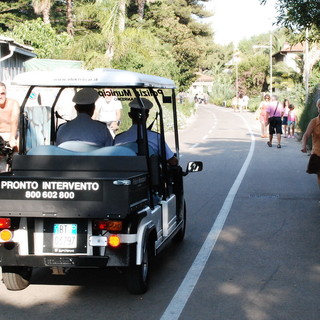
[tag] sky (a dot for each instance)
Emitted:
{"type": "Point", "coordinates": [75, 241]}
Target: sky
{"type": "Point", "coordinates": [235, 20]}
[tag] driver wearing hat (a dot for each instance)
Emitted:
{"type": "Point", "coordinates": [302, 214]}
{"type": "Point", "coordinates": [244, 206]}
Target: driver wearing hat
{"type": "Point", "coordinates": [153, 137]}
{"type": "Point", "coordinates": [83, 128]}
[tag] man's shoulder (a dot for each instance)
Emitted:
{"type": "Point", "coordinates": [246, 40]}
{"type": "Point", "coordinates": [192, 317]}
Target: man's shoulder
{"type": "Point", "coordinates": [11, 103]}
{"type": "Point", "coordinates": [99, 123]}
{"type": "Point", "coordinates": [315, 120]}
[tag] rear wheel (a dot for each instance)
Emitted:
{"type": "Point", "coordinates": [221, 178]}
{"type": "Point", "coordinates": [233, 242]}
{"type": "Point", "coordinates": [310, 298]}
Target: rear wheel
{"type": "Point", "coordinates": [16, 278]}
{"type": "Point", "coordinates": [137, 276]}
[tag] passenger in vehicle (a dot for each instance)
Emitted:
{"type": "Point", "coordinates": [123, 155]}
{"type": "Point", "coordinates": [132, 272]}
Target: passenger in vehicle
{"type": "Point", "coordinates": [83, 128]}
{"type": "Point", "coordinates": [153, 137]}
{"type": "Point", "coordinates": [9, 117]}
{"type": "Point", "coordinates": [108, 110]}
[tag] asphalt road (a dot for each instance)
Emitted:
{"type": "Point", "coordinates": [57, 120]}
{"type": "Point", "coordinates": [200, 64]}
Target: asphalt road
{"type": "Point", "coordinates": [251, 250]}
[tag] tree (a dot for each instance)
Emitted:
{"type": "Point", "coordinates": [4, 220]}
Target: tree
{"type": "Point", "coordinates": [100, 32]}
{"type": "Point", "coordinates": [70, 26]}
{"type": "Point", "coordinates": [189, 39]}
{"type": "Point", "coordinates": [215, 57]}
{"type": "Point", "coordinates": [102, 20]}
{"type": "Point", "coordinates": [285, 78]}
{"type": "Point", "coordinates": [42, 7]}
{"type": "Point", "coordinates": [298, 16]}
{"type": "Point", "coordinates": [140, 51]}
{"type": "Point", "coordinates": [42, 37]}
{"type": "Point", "coordinates": [252, 73]}
{"type": "Point", "coordinates": [13, 12]}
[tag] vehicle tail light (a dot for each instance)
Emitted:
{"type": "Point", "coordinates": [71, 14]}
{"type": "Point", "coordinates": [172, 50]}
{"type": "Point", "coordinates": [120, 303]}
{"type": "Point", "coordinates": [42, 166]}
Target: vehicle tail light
{"type": "Point", "coordinates": [114, 241]}
{"type": "Point", "coordinates": [5, 223]}
{"type": "Point", "coordinates": [6, 235]}
{"type": "Point", "coordinates": [108, 225]}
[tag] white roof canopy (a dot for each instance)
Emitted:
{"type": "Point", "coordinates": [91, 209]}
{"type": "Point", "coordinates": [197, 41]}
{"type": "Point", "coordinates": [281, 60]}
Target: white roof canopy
{"type": "Point", "coordinates": [91, 78]}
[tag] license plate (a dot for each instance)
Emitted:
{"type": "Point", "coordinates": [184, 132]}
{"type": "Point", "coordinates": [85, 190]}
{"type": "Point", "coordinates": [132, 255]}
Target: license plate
{"type": "Point", "coordinates": [65, 235]}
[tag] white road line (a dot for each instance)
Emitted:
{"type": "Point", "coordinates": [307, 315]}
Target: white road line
{"type": "Point", "coordinates": [183, 293]}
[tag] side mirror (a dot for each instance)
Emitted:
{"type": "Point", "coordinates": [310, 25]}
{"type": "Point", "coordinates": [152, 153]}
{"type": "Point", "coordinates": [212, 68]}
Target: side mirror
{"type": "Point", "coordinates": [166, 99]}
{"type": "Point", "coordinates": [194, 166]}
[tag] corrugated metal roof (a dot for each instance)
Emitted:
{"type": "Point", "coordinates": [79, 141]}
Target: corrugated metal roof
{"type": "Point", "coordinates": [16, 44]}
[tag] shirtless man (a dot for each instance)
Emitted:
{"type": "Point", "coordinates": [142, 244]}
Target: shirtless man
{"type": "Point", "coordinates": [9, 117]}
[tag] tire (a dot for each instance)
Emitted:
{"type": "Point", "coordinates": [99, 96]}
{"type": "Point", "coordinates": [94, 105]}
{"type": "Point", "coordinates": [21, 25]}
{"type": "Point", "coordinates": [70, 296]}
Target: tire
{"type": "Point", "coordinates": [137, 276]}
{"type": "Point", "coordinates": [16, 278]}
{"type": "Point", "coordinates": [181, 233]}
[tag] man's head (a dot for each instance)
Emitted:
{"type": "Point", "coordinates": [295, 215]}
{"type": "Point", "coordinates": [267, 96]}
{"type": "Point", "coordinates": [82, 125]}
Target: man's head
{"type": "Point", "coordinates": [267, 97]}
{"type": "Point", "coordinates": [3, 93]}
{"type": "Point", "coordinates": [274, 97]}
{"type": "Point", "coordinates": [136, 110]}
{"type": "Point", "coordinates": [85, 100]}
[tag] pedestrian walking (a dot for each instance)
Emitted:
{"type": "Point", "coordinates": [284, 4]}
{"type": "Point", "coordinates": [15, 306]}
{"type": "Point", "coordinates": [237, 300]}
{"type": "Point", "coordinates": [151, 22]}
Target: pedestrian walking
{"type": "Point", "coordinates": [241, 102]}
{"type": "Point", "coordinates": [234, 103]}
{"type": "Point", "coordinates": [285, 117]}
{"type": "Point", "coordinates": [261, 115]}
{"type": "Point", "coordinates": [313, 130]}
{"type": "Point", "coordinates": [275, 113]}
{"type": "Point", "coordinates": [245, 102]}
{"type": "Point", "coordinates": [292, 121]}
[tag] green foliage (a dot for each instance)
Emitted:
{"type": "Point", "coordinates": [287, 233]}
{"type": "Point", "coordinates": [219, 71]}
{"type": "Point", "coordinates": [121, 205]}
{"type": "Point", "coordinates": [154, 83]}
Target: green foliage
{"type": "Point", "coordinates": [223, 88]}
{"type": "Point", "coordinates": [252, 71]}
{"type": "Point", "coordinates": [284, 77]}
{"type": "Point", "coordinates": [140, 51]}
{"type": "Point", "coordinates": [297, 16]}
{"type": "Point", "coordinates": [188, 41]}
{"type": "Point", "coordinates": [216, 58]}
{"type": "Point", "coordinates": [42, 37]}
{"type": "Point", "coordinates": [90, 49]}
{"type": "Point", "coordinates": [254, 102]}
{"type": "Point", "coordinates": [13, 12]}
{"type": "Point", "coordinates": [310, 111]}
{"type": "Point", "coordinates": [315, 75]}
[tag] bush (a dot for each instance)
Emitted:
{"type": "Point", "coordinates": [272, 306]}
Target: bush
{"type": "Point", "coordinates": [310, 111]}
{"type": "Point", "coordinates": [47, 43]}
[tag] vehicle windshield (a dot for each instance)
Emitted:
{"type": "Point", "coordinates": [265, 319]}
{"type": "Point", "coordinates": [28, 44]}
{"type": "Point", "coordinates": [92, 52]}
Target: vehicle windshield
{"type": "Point", "coordinates": [47, 108]}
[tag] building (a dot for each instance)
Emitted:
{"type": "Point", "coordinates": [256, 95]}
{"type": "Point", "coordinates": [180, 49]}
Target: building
{"type": "Point", "coordinates": [203, 84]}
{"type": "Point", "coordinates": [12, 58]}
{"type": "Point", "coordinates": [289, 55]}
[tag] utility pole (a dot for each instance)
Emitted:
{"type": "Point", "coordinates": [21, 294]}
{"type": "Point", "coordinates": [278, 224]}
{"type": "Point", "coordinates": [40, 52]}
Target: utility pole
{"type": "Point", "coordinates": [270, 62]}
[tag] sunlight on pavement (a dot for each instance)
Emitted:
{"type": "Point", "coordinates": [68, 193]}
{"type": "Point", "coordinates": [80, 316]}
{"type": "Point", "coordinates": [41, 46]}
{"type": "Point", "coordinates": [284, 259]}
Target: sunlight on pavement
{"type": "Point", "coordinates": [38, 295]}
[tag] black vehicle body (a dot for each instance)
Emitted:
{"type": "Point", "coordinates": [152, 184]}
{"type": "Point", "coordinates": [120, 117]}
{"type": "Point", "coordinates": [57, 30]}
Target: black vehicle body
{"type": "Point", "coordinates": [80, 206]}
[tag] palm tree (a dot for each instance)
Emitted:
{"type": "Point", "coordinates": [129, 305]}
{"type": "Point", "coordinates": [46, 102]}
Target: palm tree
{"type": "Point", "coordinates": [42, 7]}
{"type": "Point", "coordinates": [114, 24]}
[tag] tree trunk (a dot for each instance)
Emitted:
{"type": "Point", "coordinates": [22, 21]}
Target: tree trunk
{"type": "Point", "coordinates": [70, 27]}
{"type": "Point", "coordinates": [141, 5]}
{"type": "Point", "coordinates": [46, 14]}
{"type": "Point", "coordinates": [122, 15]}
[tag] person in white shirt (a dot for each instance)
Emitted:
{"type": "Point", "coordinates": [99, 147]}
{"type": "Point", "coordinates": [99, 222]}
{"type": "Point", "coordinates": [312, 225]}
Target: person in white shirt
{"type": "Point", "coordinates": [108, 110]}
